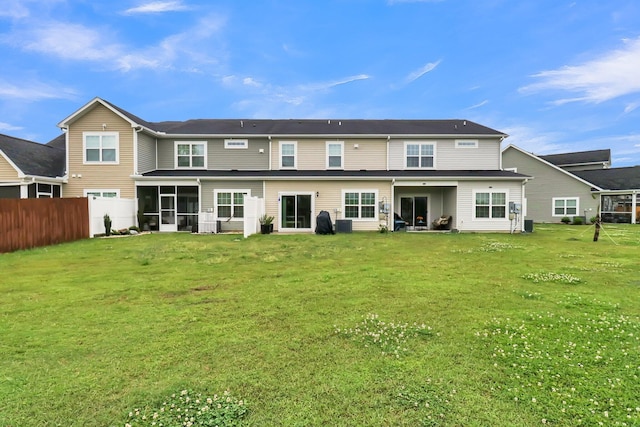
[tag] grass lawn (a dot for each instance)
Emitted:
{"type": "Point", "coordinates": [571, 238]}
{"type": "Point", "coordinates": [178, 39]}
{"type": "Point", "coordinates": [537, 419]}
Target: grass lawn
{"type": "Point", "coordinates": [361, 329]}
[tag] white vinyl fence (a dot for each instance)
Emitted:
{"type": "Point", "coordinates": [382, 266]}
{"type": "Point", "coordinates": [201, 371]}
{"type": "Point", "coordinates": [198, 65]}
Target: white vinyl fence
{"type": "Point", "coordinates": [253, 210]}
{"type": "Point", "coordinates": [121, 211]}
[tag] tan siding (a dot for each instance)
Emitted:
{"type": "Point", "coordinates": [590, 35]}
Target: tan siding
{"type": "Point", "coordinates": [485, 157]}
{"type": "Point", "coordinates": [329, 198]}
{"type": "Point", "coordinates": [100, 176]}
{"type": "Point", "coordinates": [371, 154]}
{"type": "Point", "coordinates": [7, 172]}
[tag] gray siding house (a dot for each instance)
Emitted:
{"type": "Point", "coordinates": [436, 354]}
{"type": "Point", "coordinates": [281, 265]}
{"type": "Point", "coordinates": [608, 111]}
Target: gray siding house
{"type": "Point", "coordinates": [576, 184]}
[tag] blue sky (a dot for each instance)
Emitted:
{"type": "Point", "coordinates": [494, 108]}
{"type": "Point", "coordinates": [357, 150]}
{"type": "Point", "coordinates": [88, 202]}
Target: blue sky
{"type": "Point", "coordinates": [555, 75]}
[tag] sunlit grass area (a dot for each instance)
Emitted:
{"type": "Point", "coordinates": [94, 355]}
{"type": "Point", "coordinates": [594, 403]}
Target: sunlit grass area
{"type": "Point", "coordinates": [368, 329]}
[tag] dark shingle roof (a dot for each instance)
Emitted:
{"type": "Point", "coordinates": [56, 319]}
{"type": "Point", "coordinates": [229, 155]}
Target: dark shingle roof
{"type": "Point", "coordinates": [613, 179]}
{"type": "Point", "coordinates": [58, 142]}
{"type": "Point", "coordinates": [385, 127]}
{"type": "Point", "coordinates": [419, 174]}
{"type": "Point", "coordinates": [579, 157]}
{"type": "Point", "coordinates": [324, 127]}
{"type": "Point", "coordinates": [33, 158]}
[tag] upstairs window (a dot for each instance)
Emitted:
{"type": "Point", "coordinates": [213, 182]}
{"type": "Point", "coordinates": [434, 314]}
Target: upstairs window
{"type": "Point", "coordinates": [101, 147]}
{"type": "Point", "coordinates": [492, 205]}
{"type": "Point", "coordinates": [335, 154]}
{"type": "Point", "coordinates": [191, 154]}
{"type": "Point", "coordinates": [420, 155]}
{"type": "Point", "coordinates": [288, 155]}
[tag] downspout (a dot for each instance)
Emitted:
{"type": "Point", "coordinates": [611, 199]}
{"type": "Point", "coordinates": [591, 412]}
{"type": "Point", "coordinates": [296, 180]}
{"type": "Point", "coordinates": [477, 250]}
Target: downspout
{"type": "Point", "coordinates": [388, 139]}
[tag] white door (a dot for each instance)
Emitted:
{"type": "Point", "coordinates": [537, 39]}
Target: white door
{"type": "Point", "coordinates": [168, 212]}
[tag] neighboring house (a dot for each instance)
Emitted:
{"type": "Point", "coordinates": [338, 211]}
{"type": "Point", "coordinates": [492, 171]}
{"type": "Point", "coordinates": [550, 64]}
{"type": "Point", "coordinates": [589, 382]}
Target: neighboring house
{"type": "Point", "coordinates": [29, 169]}
{"type": "Point", "coordinates": [358, 170]}
{"type": "Point", "coordinates": [576, 184]}
{"type": "Point", "coordinates": [581, 160]}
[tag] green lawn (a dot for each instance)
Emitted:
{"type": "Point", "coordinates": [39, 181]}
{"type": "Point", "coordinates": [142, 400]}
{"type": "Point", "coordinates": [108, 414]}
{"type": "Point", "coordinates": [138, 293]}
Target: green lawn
{"type": "Point", "coordinates": [493, 329]}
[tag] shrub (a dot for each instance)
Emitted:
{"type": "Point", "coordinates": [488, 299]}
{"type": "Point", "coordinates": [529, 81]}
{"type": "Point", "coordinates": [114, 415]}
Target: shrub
{"type": "Point", "coordinates": [593, 219]}
{"type": "Point", "coordinates": [565, 220]}
{"type": "Point", "coordinates": [578, 220]}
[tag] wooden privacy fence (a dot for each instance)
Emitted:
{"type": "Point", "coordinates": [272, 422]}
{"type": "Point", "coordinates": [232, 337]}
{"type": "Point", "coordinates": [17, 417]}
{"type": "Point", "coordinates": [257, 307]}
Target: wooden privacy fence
{"type": "Point", "coordinates": [30, 223]}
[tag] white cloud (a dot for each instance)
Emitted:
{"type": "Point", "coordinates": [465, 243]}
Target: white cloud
{"type": "Point", "coordinates": [8, 127]}
{"type": "Point", "coordinates": [157, 7]}
{"type": "Point", "coordinates": [415, 75]}
{"type": "Point", "coordinates": [66, 41]}
{"type": "Point", "coordinates": [532, 140]}
{"type": "Point", "coordinates": [76, 42]}
{"type": "Point", "coordinates": [609, 76]}
{"type": "Point", "coordinates": [478, 105]}
{"type": "Point", "coordinates": [34, 91]}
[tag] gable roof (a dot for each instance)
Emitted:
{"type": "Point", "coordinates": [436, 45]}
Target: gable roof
{"type": "Point", "coordinates": [627, 178]}
{"type": "Point", "coordinates": [299, 127]}
{"type": "Point", "coordinates": [580, 158]}
{"type": "Point", "coordinates": [32, 158]}
{"type": "Point", "coordinates": [551, 165]}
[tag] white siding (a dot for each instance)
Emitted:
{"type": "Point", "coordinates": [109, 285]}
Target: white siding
{"type": "Point", "coordinates": [465, 218]}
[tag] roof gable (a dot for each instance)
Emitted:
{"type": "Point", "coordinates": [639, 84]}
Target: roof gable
{"type": "Point", "coordinates": [551, 165]}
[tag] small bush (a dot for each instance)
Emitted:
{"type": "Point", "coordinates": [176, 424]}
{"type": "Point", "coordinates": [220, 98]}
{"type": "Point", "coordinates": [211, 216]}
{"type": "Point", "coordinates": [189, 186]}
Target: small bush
{"type": "Point", "coordinates": [593, 219]}
{"type": "Point", "coordinates": [578, 220]}
{"type": "Point", "coordinates": [565, 220]}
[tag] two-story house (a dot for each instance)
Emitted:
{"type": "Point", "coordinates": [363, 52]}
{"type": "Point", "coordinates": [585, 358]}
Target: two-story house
{"type": "Point", "coordinates": [579, 183]}
{"type": "Point", "coordinates": [358, 170]}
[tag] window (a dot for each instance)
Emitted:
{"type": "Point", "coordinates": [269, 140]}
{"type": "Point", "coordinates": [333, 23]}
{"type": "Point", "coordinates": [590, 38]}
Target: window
{"type": "Point", "coordinates": [335, 153]}
{"type": "Point", "coordinates": [288, 155]}
{"type": "Point", "coordinates": [359, 204]}
{"type": "Point", "coordinates": [100, 147]}
{"type": "Point", "coordinates": [565, 206]}
{"type": "Point", "coordinates": [102, 193]}
{"type": "Point", "coordinates": [420, 155]}
{"type": "Point", "coordinates": [490, 204]}
{"type": "Point", "coordinates": [191, 154]}
{"type": "Point", "coordinates": [230, 203]}
{"type": "Point", "coordinates": [236, 143]}
{"type": "Point", "coordinates": [466, 143]}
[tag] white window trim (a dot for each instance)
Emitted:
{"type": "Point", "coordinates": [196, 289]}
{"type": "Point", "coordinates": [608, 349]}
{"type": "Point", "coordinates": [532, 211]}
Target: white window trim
{"type": "Point", "coordinates": [236, 144]}
{"type": "Point", "coordinates": [341, 143]}
{"type": "Point", "coordinates": [100, 134]}
{"type": "Point", "coordinates": [420, 143]}
{"type": "Point", "coordinates": [466, 143]}
{"type": "Point", "coordinates": [191, 143]}
{"type": "Point", "coordinates": [553, 206]}
{"type": "Point", "coordinates": [40, 194]}
{"type": "Point", "coordinates": [101, 191]}
{"type": "Point", "coordinates": [295, 154]}
{"type": "Point", "coordinates": [245, 191]}
{"type": "Point", "coordinates": [491, 205]}
{"type": "Point", "coordinates": [360, 191]}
